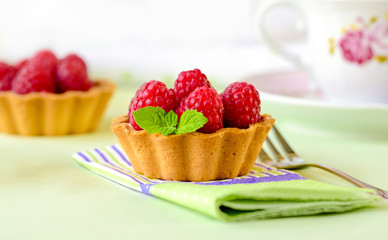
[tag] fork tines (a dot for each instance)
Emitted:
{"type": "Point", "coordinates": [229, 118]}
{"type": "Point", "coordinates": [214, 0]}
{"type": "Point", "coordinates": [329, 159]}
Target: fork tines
{"type": "Point", "coordinates": [276, 150]}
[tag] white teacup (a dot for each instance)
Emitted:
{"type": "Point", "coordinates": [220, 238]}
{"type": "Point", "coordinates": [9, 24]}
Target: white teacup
{"type": "Point", "coordinates": [348, 44]}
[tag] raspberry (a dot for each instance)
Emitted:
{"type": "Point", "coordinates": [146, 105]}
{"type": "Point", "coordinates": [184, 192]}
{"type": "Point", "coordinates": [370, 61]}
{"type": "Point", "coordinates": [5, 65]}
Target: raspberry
{"type": "Point", "coordinates": [188, 81]}
{"type": "Point", "coordinates": [37, 74]}
{"type": "Point", "coordinates": [242, 105]}
{"type": "Point", "coordinates": [45, 58]}
{"type": "Point", "coordinates": [33, 78]}
{"type": "Point", "coordinates": [153, 93]}
{"type": "Point", "coordinates": [207, 101]}
{"type": "Point", "coordinates": [72, 74]}
{"type": "Point", "coordinates": [7, 74]}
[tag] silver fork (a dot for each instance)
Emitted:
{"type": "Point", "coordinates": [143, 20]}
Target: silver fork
{"type": "Point", "coordinates": [290, 160]}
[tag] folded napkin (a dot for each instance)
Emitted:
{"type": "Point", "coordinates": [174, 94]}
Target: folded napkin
{"type": "Point", "coordinates": [265, 193]}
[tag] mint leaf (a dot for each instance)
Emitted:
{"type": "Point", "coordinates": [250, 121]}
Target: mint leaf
{"type": "Point", "coordinates": [167, 130]}
{"type": "Point", "coordinates": [190, 121]}
{"type": "Point", "coordinates": [151, 119]}
{"type": "Point", "coordinates": [156, 120]}
{"type": "Point", "coordinates": [171, 119]}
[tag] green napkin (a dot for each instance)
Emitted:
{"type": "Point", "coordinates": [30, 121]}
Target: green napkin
{"type": "Point", "coordinates": [265, 193]}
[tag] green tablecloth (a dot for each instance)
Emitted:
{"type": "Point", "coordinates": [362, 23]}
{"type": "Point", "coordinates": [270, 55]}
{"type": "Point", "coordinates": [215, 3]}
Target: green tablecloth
{"type": "Point", "coordinates": [45, 195]}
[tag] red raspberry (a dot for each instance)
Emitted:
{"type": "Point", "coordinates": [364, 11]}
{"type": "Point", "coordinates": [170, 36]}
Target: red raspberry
{"type": "Point", "coordinates": [188, 81]}
{"type": "Point", "coordinates": [207, 101]}
{"type": "Point", "coordinates": [155, 94]}
{"type": "Point", "coordinates": [242, 105]}
{"type": "Point", "coordinates": [33, 78]}
{"type": "Point", "coordinates": [72, 74]}
{"type": "Point", "coordinates": [7, 74]}
{"type": "Point", "coordinates": [37, 74]}
{"type": "Point", "coordinates": [45, 58]}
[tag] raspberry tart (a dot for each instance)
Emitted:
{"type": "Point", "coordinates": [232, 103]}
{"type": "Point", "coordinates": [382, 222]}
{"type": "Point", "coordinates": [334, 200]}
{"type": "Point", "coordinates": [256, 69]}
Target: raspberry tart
{"type": "Point", "coordinates": [192, 133]}
{"type": "Point", "coordinates": [47, 96]}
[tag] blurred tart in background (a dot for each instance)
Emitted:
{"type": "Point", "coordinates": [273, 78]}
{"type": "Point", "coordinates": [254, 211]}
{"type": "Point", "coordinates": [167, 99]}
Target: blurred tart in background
{"type": "Point", "coordinates": [47, 96]}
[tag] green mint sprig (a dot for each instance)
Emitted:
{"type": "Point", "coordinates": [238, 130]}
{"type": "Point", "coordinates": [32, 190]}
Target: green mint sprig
{"type": "Point", "coordinates": [156, 120]}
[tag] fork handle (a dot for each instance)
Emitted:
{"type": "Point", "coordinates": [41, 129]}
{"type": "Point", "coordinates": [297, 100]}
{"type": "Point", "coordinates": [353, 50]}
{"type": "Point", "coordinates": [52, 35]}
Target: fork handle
{"type": "Point", "coordinates": [341, 174]}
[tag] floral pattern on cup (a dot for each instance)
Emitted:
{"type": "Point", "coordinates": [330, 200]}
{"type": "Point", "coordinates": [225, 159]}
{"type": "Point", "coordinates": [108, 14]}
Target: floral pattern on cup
{"type": "Point", "coordinates": [363, 41]}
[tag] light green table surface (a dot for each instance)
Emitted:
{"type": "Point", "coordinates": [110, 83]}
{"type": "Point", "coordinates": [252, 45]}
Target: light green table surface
{"type": "Point", "coordinates": [45, 195]}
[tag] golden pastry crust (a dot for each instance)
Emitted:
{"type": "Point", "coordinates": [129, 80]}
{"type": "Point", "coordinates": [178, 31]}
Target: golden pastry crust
{"type": "Point", "coordinates": [52, 114]}
{"type": "Point", "coordinates": [227, 153]}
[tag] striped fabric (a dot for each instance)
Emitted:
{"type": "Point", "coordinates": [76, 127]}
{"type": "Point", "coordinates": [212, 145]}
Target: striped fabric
{"type": "Point", "coordinates": [264, 193]}
{"type": "Point", "coordinates": [112, 163]}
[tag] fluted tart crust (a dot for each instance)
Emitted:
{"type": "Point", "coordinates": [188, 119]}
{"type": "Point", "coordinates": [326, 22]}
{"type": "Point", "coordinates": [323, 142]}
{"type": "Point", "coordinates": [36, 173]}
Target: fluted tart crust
{"type": "Point", "coordinates": [227, 153]}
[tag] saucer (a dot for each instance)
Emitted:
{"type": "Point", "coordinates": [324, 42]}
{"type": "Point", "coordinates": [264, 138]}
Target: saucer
{"type": "Point", "coordinates": [287, 97]}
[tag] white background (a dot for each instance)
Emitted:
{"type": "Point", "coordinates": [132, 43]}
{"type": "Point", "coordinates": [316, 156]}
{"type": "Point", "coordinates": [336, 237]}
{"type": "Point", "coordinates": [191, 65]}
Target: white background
{"type": "Point", "coordinates": [140, 40]}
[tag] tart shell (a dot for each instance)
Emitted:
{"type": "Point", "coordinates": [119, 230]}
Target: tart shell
{"type": "Point", "coordinates": [227, 153]}
{"type": "Point", "coordinates": [52, 114]}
